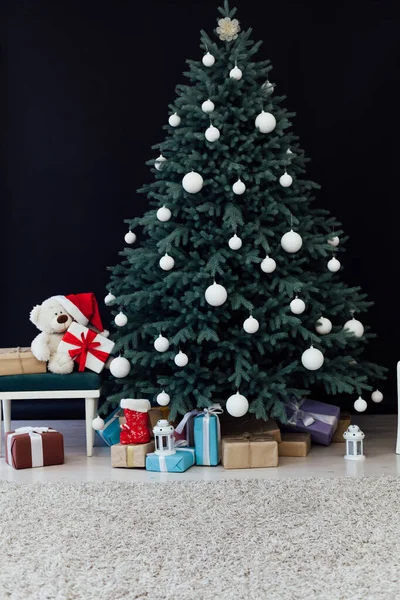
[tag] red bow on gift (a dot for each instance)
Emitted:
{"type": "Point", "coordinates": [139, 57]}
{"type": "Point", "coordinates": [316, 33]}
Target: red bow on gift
{"type": "Point", "coordinates": [86, 346]}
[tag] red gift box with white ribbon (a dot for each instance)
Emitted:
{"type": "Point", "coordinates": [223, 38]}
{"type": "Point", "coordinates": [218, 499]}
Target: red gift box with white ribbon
{"type": "Point", "coordinates": [88, 348]}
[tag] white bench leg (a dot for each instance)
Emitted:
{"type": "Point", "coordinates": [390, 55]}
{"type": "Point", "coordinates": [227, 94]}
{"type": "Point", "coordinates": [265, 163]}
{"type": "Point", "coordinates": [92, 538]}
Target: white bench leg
{"type": "Point", "coordinates": [7, 415]}
{"type": "Point", "coordinates": [91, 405]}
{"type": "Point", "coordinates": [398, 404]}
{"type": "Point", "coordinates": [1, 427]}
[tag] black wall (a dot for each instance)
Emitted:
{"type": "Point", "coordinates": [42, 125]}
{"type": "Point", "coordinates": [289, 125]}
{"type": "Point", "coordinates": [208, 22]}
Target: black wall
{"type": "Point", "coordinates": [84, 92]}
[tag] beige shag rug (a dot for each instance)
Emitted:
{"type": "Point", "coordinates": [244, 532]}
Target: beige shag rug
{"type": "Point", "coordinates": [328, 539]}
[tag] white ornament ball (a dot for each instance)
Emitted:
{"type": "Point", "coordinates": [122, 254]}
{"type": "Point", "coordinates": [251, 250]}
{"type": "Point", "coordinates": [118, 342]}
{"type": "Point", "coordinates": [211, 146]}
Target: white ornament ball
{"type": "Point", "coordinates": [164, 214]}
{"type": "Point", "coordinates": [235, 243]}
{"type": "Point", "coordinates": [237, 405]}
{"type": "Point", "coordinates": [265, 122]}
{"type": "Point", "coordinates": [166, 262]}
{"type": "Point", "coordinates": [174, 120]}
{"type": "Point", "coordinates": [323, 326]}
{"type": "Point", "coordinates": [297, 306]}
{"type": "Point", "coordinates": [130, 237]}
{"type": "Point", "coordinates": [288, 151]}
{"type": "Point", "coordinates": [192, 182]}
{"type": "Point", "coordinates": [236, 73]}
{"type": "Point", "coordinates": [334, 265]}
{"type": "Point", "coordinates": [159, 162]}
{"type": "Point", "coordinates": [239, 187]}
{"type": "Point", "coordinates": [109, 299]}
{"type": "Point", "coordinates": [216, 294]}
{"type": "Point", "coordinates": [268, 87]}
{"type": "Point", "coordinates": [251, 325]}
{"type": "Point", "coordinates": [212, 134]}
{"type": "Point", "coordinates": [98, 424]}
{"type": "Point", "coordinates": [354, 326]}
{"type": "Point", "coordinates": [208, 106]}
{"type": "Point", "coordinates": [334, 241]}
{"type": "Point", "coordinates": [208, 60]}
{"type": "Point", "coordinates": [161, 344]}
{"type": "Point", "coordinates": [377, 396]}
{"type": "Point", "coordinates": [120, 367]}
{"type": "Point", "coordinates": [286, 180]}
{"type": "Point", "coordinates": [163, 399]}
{"type": "Point", "coordinates": [312, 359]}
{"type": "Point", "coordinates": [121, 319]}
{"type": "Point", "coordinates": [360, 405]}
{"type": "Point", "coordinates": [268, 265]}
{"type": "Point", "coordinates": [291, 242]}
{"type": "Point", "coordinates": [181, 359]}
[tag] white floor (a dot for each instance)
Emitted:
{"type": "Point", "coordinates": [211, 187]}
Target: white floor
{"type": "Point", "coordinates": [380, 440]}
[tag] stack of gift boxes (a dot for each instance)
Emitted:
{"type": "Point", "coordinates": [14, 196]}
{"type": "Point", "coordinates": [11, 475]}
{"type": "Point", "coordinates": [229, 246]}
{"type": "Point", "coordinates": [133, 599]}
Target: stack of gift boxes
{"type": "Point", "coordinates": [210, 437]}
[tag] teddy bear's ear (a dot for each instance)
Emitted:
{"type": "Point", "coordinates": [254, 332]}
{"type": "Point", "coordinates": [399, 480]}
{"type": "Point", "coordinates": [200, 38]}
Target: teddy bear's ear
{"type": "Point", "coordinates": [35, 315]}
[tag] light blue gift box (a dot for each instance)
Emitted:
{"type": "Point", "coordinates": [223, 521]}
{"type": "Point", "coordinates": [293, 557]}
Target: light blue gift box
{"type": "Point", "coordinates": [207, 437]}
{"type": "Point", "coordinates": [179, 462]}
{"type": "Point", "coordinates": [111, 432]}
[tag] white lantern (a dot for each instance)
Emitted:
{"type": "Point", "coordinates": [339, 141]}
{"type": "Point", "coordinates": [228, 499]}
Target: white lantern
{"type": "Point", "coordinates": [164, 438]}
{"type": "Point", "coordinates": [354, 443]}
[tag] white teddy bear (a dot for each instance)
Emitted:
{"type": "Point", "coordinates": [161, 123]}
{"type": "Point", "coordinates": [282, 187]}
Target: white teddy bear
{"type": "Point", "coordinates": [53, 317]}
{"type": "Point", "coordinates": [53, 321]}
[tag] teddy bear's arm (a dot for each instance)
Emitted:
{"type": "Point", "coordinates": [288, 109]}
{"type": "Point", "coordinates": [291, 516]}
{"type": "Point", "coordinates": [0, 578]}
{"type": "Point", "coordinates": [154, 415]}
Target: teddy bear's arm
{"type": "Point", "coordinates": [40, 347]}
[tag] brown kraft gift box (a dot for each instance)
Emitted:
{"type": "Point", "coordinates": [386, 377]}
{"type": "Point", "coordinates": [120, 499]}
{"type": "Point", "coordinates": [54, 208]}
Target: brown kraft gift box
{"type": "Point", "coordinates": [344, 422]}
{"type": "Point", "coordinates": [17, 361]}
{"type": "Point", "coordinates": [130, 456]}
{"type": "Point", "coordinates": [248, 424]}
{"type": "Point", "coordinates": [249, 452]}
{"type": "Point", "coordinates": [295, 444]}
{"type": "Point", "coordinates": [155, 414]}
{"type": "Point", "coordinates": [22, 450]}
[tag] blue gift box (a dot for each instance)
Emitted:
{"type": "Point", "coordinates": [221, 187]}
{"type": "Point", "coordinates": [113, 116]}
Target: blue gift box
{"type": "Point", "coordinates": [179, 462]}
{"type": "Point", "coordinates": [207, 437]}
{"type": "Point", "coordinates": [111, 432]}
{"type": "Point", "coordinates": [318, 419]}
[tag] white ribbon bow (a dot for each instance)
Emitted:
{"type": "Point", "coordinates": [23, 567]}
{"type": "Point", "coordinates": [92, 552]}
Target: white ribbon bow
{"type": "Point", "coordinates": [36, 443]}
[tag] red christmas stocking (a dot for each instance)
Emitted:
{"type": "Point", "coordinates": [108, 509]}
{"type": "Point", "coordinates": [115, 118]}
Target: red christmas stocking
{"type": "Point", "coordinates": [136, 429]}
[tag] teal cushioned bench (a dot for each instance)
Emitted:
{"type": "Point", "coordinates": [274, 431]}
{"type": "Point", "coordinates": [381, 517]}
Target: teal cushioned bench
{"type": "Point", "coordinates": [42, 386]}
{"type": "Point", "coordinates": [49, 381]}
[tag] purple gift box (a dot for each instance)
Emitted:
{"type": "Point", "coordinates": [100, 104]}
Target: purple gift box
{"type": "Point", "coordinates": [318, 419]}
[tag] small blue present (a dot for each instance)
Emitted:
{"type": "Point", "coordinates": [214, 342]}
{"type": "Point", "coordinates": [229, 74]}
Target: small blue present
{"type": "Point", "coordinates": [207, 436]}
{"type": "Point", "coordinates": [179, 462]}
{"type": "Point", "coordinates": [111, 431]}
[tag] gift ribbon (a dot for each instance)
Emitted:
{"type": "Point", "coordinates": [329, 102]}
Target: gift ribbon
{"type": "Point", "coordinates": [210, 411]}
{"type": "Point", "coordinates": [308, 418]}
{"type": "Point", "coordinates": [87, 345]}
{"type": "Point", "coordinates": [181, 426]}
{"type": "Point", "coordinates": [161, 457]}
{"type": "Point", "coordinates": [36, 443]}
{"type": "Point", "coordinates": [249, 438]}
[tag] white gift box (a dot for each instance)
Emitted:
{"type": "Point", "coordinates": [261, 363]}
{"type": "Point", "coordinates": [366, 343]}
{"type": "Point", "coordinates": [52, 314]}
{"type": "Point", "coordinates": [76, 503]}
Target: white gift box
{"type": "Point", "coordinates": [88, 348]}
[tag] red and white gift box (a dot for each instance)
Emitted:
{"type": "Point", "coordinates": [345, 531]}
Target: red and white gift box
{"type": "Point", "coordinates": [88, 348]}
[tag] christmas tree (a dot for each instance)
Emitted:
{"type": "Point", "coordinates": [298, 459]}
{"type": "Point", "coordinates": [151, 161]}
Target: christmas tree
{"type": "Point", "coordinates": [235, 289]}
